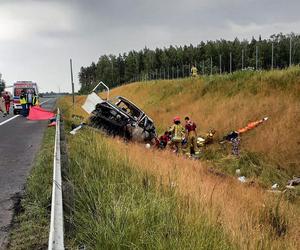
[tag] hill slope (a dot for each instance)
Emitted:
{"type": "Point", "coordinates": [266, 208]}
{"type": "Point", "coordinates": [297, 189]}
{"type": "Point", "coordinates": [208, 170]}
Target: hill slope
{"type": "Point", "coordinates": [228, 102]}
{"type": "Point", "coordinates": [250, 217]}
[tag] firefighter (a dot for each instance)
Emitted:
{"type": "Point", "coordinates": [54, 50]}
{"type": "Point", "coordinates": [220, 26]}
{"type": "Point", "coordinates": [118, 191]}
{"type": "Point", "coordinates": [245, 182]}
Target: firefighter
{"type": "Point", "coordinates": [191, 135]}
{"type": "Point", "coordinates": [23, 102]}
{"type": "Point", "coordinates": [177, 131]}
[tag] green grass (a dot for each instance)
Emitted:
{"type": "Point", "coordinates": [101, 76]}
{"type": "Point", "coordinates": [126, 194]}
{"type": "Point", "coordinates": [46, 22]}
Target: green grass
{"type": "Point", "coordinates": [252, 82]}
{"type": "Point", "coordinates": [255, 167]}
{"type": "Point", "coordinates": [31, 225]}
{"type": "Point", "coordinates": [252, 165]}
{"type": "Point", "coordinates": [117, 207]}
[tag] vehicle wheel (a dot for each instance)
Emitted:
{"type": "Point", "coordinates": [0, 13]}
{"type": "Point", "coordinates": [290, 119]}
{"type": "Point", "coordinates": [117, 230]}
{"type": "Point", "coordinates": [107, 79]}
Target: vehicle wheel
{"type": "Point", "coordinates": [15, 112]}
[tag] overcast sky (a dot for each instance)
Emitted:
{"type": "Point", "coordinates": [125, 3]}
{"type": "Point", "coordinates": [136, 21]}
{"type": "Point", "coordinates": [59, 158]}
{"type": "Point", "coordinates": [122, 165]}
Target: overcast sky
{"type": "Point", "coordinates": [38, 37]}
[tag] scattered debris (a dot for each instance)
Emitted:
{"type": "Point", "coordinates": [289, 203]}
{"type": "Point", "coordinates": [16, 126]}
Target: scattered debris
{"type": "Point", "coordinates": [74, 131]}
{"type": "Point", "coordinates": [275, 186]}
{"type": "Point", "coordinates": [148, 146]}
{"type": "Point", "coordinates": [207, 139]}
{"type": "Point", "coordinates": [294, 182]}
{"type": "Point", "coordinates": [238, 172]}
{"type": "Point", "coordinates": [242, 179]}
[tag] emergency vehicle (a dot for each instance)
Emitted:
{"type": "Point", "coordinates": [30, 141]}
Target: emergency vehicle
{"type": "Point", "coordinates": [27, 86]}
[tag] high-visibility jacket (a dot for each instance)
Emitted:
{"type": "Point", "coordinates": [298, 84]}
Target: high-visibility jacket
{"type": "Point", "coordinates": [35, 100]}
{"type": "Point", "coordinates": [177, 132]}
{"type": "Point", "coordinates": [23, 99]}
{"type": "Point", "coordinates": [194, 71]}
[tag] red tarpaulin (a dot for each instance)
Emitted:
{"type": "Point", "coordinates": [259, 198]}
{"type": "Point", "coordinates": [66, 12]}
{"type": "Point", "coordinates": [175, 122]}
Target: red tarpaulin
{"type": "Point", "coordinates": [37, 113]}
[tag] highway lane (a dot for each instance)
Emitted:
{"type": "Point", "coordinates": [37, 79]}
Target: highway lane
{"type": "Point", "coordinates": [20, 140]}
{"type": "Point", "coordinates": [10, 116]}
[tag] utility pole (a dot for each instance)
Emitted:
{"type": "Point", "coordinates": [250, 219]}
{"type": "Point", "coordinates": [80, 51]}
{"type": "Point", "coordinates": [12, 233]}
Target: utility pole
{"type": "Point", "coordinates": [203, 67]}
{"type": "Point", "coordinates": [211, 65]}
{"type": "Point", "coordinates": [272, 59]}
{"type": "Point", "coordinates": [112, 71]}
{"type": "Point", "coordinates": [230, 63]}
{"type": "Point", "coordinates": [220, 56]}
{"type": "Point", "coordinates": [256, 57]}
{"type": "Point", "coordinates": [290, 51]}
{"type": "Point", "coordinates": [242, 59]}
{"type": "Point", "coordinates": [72, 82]}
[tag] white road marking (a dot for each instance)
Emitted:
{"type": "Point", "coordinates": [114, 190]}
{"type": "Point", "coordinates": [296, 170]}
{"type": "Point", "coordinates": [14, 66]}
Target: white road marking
{"type": "Point", "coordinates": [14, 117]}
{"type": "Point", "coordinates": [44, 102]}
{"type": "Point", "coordinates": [8, 120]}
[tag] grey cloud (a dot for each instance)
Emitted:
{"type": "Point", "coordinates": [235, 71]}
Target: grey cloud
{"type": "Point", "coordinates": [99, 27]}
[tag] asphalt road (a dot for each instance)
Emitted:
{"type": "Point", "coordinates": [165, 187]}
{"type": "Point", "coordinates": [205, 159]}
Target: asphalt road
{"type": "Point", "coordinates": [20, 140]}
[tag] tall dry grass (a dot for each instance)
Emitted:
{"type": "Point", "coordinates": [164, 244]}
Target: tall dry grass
{"type": "Point", "coordinates": [254, 218]}
{"type": "Point", "coordinates": [117, 206]}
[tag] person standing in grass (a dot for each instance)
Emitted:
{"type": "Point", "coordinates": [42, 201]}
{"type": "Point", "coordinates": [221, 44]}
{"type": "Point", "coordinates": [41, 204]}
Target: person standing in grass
{"type": "Point", "coordinates": [194, 71]}
{"type": "Point", "coordinates": [177, 131]}
{"type": "Point", "coordinates": [191, 135]}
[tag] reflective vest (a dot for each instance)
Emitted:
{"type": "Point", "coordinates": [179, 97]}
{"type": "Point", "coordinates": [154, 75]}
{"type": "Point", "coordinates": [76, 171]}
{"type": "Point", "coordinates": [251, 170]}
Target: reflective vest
{"type": "Point", "coordinates": [194, 71]}
{"type": "Point", "coordinates": [177, 132]}
{"type": "Point", "coordinates": [35, 100]}
{"type": "Point", "coordinates": [23, 99]}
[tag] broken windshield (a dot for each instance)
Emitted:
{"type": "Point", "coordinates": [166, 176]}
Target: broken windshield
{"type": "Point", "coordinates": [127, 107]}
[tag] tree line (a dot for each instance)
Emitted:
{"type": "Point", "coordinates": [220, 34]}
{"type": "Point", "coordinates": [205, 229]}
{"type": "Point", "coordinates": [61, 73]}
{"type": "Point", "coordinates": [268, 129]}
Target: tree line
{"type": "Point", "coordinates": [220, 56]}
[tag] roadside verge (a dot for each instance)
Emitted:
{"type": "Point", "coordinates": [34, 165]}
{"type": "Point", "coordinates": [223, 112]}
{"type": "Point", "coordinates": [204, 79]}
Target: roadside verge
{"type": "Point", "coordinates": [31, 221]}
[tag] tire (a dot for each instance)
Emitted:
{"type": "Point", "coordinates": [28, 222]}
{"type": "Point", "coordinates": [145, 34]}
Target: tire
{"type": "Point", "coordinates": [15, 112]}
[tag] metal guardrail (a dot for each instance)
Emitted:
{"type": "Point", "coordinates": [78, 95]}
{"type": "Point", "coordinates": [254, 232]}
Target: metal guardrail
{"type": "Point", "coordinates": [56, 234]}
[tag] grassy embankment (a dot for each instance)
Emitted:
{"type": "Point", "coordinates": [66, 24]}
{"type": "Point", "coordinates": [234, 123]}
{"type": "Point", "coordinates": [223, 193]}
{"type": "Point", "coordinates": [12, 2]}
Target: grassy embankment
{"type": "Point", "coordinates": [31, 224]}
{"type": "Point", "coordinates": [116, 206]}
{"type": "Point", "coordinates": [113, 180]}
{"type": "Point", "coordinates": [270, 153]}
